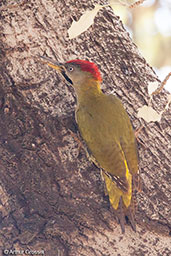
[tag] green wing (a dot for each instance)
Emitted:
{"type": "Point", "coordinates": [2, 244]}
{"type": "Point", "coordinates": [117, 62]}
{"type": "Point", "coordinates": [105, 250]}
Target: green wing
{"type": "Point", "coordinates": [107, 131]}
{"type": "Point", "coordinates": [127, 138]}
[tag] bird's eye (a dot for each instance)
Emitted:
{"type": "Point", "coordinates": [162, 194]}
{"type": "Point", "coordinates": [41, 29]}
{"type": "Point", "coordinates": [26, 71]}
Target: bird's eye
{"type": "Point", "coordinates": [71, 69]}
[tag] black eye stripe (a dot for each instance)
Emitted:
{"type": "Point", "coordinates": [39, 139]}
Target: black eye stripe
{"type": "Point", "coordinates": [66, 77]}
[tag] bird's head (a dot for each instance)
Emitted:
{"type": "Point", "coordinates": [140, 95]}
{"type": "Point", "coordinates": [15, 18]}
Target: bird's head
{"type": "Point", "coordinates": [77, 72]}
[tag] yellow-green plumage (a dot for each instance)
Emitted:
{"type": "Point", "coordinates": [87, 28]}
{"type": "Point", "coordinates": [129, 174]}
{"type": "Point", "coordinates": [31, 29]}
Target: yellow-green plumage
{"type": "Point", "coordinates": [107, 131]}
{"type": "Point", "coordinates": [105, 127]}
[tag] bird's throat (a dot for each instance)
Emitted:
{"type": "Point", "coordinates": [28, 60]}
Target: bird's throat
{"type": "Point", "coordinates": [87, 92]}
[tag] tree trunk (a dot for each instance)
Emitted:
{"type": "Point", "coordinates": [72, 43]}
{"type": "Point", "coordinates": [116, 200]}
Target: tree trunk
{"type": "Point", "coordinates": [52, 198]}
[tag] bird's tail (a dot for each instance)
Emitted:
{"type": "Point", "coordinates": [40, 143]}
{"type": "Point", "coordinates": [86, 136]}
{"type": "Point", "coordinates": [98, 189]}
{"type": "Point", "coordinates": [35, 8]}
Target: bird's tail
{"type": "Point", "coordinates": [115, 191]}
{"type": "Point", "coordinates": [122, 201]}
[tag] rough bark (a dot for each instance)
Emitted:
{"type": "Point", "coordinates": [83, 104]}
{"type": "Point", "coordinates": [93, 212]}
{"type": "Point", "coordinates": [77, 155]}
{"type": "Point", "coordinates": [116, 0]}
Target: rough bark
{"type": "Point", "coordinates": [52, 197]}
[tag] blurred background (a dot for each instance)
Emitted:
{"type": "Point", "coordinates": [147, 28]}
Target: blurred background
{"type": "Point", "coordinates": [149, 24]}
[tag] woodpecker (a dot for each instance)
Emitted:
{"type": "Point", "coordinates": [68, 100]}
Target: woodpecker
{"type": "Point", "coordinates": [106, 129]}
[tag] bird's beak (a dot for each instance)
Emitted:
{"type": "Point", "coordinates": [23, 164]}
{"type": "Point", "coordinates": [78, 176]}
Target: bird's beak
{"type": "Point", "coordinates": [52, 63]}
{"type": "Point", "coordinates": [56, 65]}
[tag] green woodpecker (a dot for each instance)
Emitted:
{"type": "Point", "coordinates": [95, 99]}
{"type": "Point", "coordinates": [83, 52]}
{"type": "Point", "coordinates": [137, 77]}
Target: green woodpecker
{"type": "Point", "coordinates": [107, 131]}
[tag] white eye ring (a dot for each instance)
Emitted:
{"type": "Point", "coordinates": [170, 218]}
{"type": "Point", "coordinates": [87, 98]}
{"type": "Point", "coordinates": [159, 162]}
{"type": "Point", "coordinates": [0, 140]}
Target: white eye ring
{"type": "Point", "coordinates": [71, 69]}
